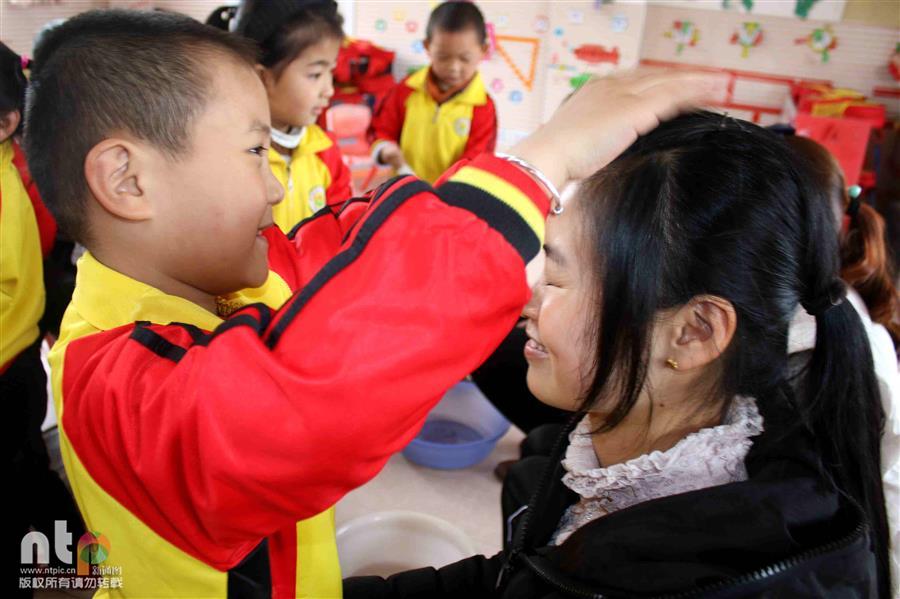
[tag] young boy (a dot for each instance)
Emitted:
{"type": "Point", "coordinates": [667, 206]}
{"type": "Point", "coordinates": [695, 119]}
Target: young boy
{"type": "Point", "coordinates": [440, 113]}
{"type": "Point", "coordinates": [208, 451]}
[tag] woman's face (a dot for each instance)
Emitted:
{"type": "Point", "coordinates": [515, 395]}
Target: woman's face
{"type": "Point", "coordinates": [559, 350]}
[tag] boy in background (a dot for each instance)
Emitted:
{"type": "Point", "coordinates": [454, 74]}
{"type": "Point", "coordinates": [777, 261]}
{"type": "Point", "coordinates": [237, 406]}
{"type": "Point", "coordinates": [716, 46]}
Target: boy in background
{"type": "Point", "coordinates": [441, 113]}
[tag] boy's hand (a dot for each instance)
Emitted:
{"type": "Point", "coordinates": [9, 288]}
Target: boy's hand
{"type": "Point", "coordinates": [605, 116]}
{"type": "Point", "coordinates": [391, 154]}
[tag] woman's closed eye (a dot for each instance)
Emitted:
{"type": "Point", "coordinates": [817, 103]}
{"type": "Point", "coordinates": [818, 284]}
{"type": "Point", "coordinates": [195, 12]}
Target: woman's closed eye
{"type": "Point", "coordinates": [260, 150]}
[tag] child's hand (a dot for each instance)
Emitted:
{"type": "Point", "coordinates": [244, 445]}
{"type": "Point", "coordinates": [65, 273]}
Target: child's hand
{"type": "Point", "coordinates": [604, 117]}
{"type": "Point", "coordinates": [391, 154]}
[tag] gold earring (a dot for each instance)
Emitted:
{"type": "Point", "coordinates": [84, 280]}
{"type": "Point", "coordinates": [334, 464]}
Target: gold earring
{"type": "Point", "coordinates": [673, 364]}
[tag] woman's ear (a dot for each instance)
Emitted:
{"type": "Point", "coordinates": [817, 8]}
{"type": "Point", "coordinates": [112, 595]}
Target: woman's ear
{"type": "Point", "coordinates": [705, 327]}
{"type": "Point", "coordinates": [9, 122]}
{"type": "Point", "coordinates": [113, 173]}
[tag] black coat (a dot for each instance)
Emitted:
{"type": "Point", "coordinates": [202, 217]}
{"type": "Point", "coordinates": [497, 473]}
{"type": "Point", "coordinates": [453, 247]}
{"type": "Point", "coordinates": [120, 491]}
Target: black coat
{"type": "Point", "coordinates": [784, 532]}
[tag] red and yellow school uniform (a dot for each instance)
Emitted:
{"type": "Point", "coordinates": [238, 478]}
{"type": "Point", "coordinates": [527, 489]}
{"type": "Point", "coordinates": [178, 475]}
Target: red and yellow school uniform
{"type": "Point", "coordinates": [208, 451]}
{"type": "Point", "coordinates": [433, 135]}
{"type": "Point", "coordinates": [21, 257]}
{"type": "Point", "coordinates": [315, 176]}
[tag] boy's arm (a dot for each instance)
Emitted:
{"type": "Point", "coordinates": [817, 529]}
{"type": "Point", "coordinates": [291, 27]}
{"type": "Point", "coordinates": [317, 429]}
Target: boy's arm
{"type": "Point", "coordinates": [387, 123]}
{"type": "Point", "coordinates": [217, 440]}
{"type": "Point", "coordinates": [483, 131]}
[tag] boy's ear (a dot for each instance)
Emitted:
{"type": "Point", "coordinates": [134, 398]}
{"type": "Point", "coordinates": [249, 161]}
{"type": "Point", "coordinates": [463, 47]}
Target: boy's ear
{"type": "Point", "coordinates": [427, 45]}
{"type": "Point", "coordinates": [706, 326]}
{"type": "Point", "coordinates": [113, 175]}
{"type": "Point", "coordinates": [9, 122]}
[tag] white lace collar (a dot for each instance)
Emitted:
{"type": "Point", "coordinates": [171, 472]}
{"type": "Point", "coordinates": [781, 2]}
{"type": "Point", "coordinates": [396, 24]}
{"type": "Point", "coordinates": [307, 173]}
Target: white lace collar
{"type": "Point", "coordinates": [711, 456]}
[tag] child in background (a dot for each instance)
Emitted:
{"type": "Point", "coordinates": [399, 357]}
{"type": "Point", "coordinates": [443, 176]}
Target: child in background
{"type": "Point", "coordinates": [299, 42]}
{"type": "Point", "coordinates": [209, 451]}
{"type": "Point", "coordinates": [442, 112]}
{"type": "Point", "coordinates": [27, 231]}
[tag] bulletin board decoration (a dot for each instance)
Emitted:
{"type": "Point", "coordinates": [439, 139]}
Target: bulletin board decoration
{"type": "Point", "coordinates": [749, 35]}
{"type": "Point", "coordinates": [685, 33]}
{"type": "Point", "coordinates": [747, 4]}
{"type": "Point", "coordinates": [597, 54]}
{"type": "Point", "coordinates": [527, 80]}
{"type": "Point", "coordinates": [821, 40]}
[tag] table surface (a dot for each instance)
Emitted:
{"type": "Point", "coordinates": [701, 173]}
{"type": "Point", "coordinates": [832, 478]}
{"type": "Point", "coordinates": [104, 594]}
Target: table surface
{"type": "Point", "coordinates": [468, 498]}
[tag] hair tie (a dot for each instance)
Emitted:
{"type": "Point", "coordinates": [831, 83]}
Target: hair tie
{"type": "Point", "coordinates": [833, 296]}
{"type": "Point", "coordinates": [25, 62]}
{"type": "Point", "coordinates": [853, 192]}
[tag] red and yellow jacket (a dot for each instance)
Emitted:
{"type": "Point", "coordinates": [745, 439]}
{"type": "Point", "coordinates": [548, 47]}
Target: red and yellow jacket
{"type": "Point", "coordinates": [209, 452]}
{"type": "Point", "coordinates": [26, 234]}
{"type": "Point", "coordinates": [434, 136]}
{"type": "Point", "coordinates": [315, 176]}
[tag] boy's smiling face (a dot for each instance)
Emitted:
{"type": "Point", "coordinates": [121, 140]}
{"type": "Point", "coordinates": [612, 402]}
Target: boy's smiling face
{"type": "Point", "coordinates": [454, 56]}
{"type": "Point", "coordinates": [211, 204]}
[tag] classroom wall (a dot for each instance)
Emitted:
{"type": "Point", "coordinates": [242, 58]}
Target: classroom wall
{"type": "Point", "coordinates": [859, 60]}
{"type": "Point", "coordinates": [542, 48]}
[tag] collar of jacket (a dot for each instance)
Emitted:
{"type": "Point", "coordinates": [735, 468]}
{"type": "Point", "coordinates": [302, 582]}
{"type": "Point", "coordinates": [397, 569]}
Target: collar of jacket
{"type": "Point", "coordinates": [783, 516]}
{"type": "Point", "coordinates": [472, 93]}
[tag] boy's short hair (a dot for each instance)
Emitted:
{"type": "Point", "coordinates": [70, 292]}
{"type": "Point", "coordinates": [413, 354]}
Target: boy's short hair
{"type": "Point", "coordinates": [146, 73]}
{"type": "Point", "coordinates": [457, 16]}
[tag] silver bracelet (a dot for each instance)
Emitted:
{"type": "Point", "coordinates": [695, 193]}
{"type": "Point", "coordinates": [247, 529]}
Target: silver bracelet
{"type": "Point", "coordinates": [555, 200]}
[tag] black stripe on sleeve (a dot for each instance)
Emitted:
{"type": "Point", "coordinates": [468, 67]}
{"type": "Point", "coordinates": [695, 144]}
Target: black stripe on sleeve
{"type": "Point", "coordinates": [499, 215]}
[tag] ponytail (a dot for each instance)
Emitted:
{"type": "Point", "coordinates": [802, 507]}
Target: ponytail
{"type": "Point", "coordinates": [842, 405]}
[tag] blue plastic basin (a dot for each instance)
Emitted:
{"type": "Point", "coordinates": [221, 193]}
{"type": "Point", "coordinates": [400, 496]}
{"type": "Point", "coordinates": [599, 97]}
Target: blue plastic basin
{"type": "Point", "coordinates": [460, 431]}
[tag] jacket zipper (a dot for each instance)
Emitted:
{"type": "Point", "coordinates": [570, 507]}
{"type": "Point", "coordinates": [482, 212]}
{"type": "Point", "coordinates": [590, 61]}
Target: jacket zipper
{"type": "Point", "coordinates": [526, 517]}
{"type": "Point", "coordinates": [778, 567]}
{"type": "Point", "coordinates": [755, 576]}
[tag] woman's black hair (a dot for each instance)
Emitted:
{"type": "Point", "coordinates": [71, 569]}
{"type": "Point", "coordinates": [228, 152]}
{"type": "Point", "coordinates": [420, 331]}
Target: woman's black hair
{"type": "Point", "coordinates": [12, 84]}
{"type": "Point", "coordinates": [283, 29]}
{"type": "Point", "coordinates": [706, 204]}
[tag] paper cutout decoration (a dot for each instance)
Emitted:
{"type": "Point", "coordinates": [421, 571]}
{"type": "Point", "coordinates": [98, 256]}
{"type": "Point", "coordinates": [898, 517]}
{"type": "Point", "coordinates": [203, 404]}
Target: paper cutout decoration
{"type": "Point", "coordinates": [822, 40]}
{"type": "Point", "coordinates": [380, 25]}
{"type": "Point", "coordinates": [576, 17]}
{"type": "Point", "coordinates": [399, 15]}
{"type": "Point", "coordinates": [503, 40]}
{"type": "Point", "coordinates": [619, 23]}
{"type": "Point", "coordinates": [418, 47]}
{"type": "Point", "coordinates": [749, 35]}
{"type": "Point", "coordinates": [597, 54]}
{"type": "Point", "coordinates": [684, 33]}
{"type": "Point", "coordinates": [492, 40]}
{"type": "Point", "coordinates": [516, 96]}
{"type": "Point", "coordinates": [579, 80]}
{"type": "Point", "coordinates": [497, 85]}
{"type": "Point", "coordinates": [802, 8]}
{"type": "Point", "coordinates": [541, 24]}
